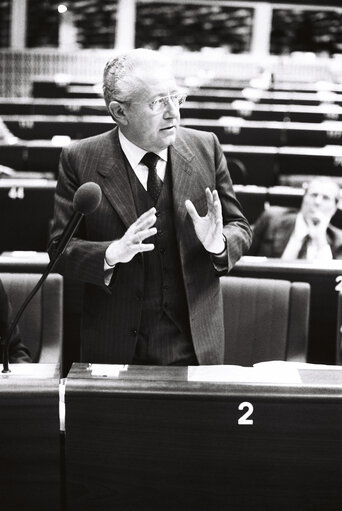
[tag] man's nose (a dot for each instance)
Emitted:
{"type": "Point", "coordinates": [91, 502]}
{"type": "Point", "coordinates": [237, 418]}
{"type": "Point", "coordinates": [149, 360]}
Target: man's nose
{"type": "Point", "coordinates": [171, 109]}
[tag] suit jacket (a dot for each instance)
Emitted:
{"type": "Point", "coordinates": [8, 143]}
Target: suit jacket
{"type": "Point", "coordinates": [111, 314]}
{"type": "Point", "coordinates": [273, 230]}
{"type": "Point", "coordinates": [17, 351]}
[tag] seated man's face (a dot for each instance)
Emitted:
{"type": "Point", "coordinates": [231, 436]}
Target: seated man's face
{"type": "Point", "coordinates": [320, 202]}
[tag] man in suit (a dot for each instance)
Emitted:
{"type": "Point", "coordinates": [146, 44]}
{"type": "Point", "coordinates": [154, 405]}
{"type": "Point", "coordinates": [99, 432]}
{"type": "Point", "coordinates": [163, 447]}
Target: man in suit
{"type": "Point", "coordinates": [168, 225]}
{"type": "Point", "coordinates": [305, 234]}
{"type": "Point", "coordinates": [18, 352]}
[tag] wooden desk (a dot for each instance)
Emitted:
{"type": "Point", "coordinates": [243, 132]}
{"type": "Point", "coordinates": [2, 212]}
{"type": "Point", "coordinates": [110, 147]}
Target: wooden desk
{"type": "Point", "coordinates": [323, 302]}
{"type": "Point", "coordinates": [30, 441]}
{"type": "Point", "coordinates": [149, 439]}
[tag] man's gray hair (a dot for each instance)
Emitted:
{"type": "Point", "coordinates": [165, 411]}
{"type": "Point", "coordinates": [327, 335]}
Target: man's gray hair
{"type": "Point", "coordinates": [324, 180]}
{"type": "Point", "coordinates": [119, 82]}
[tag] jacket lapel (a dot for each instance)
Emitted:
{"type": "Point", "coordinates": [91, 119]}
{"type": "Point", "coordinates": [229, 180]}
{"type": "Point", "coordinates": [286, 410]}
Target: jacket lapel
{"type": "Point", "coordinates": [114, 180]}
{"type": "Point", "coordinates": [183, 174]}
{"type": "Point", "coordinates": [282, 233]}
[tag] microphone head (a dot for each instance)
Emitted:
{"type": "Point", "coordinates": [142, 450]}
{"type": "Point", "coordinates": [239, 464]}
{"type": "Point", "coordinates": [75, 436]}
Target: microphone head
{"type": "Point", "coordinates": [87, 198]}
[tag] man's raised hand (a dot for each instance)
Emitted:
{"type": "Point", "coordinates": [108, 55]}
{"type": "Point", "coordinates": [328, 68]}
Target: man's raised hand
{"type": "Point", "coordinates": [131, 243]}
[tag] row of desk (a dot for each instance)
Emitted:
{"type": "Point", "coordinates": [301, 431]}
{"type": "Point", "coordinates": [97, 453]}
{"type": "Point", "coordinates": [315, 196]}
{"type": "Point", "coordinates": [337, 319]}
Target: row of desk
{"type": "Point", "coordinates": [229, 129]}
{"type": "Point", "coordinates": [52, 89]}
{"type": "Point", "coordinates": [191, 109]}
{"type": "Point", "coordinates": [150, 438]}
{"type": "Point", "coordinates": [261, 165]}
{"type": "Point", "coordinates": [26, 205]}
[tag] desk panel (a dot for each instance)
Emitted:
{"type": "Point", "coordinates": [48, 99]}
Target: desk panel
{"type": "Point", "coordinates": [30, 441]}
{"type": "Point", "coordinates": [162, 442]}
{"type": "Point", "coordinates": [27, 209]}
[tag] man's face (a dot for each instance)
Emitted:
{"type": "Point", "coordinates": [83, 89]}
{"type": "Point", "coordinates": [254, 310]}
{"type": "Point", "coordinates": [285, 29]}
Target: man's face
{"type": "Point", "coordinates": [152, 130]}
{"type": "Point", "coordinates": [319, 202]}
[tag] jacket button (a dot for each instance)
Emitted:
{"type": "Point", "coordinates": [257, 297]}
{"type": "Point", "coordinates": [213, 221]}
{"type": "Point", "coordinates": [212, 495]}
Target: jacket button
{"type": "Point", "coordinates": [133, 331]}
{"type": "Point", "coordinates": [162, 251]}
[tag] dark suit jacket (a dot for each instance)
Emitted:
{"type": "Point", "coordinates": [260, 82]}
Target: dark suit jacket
{"type": "Point", "coordinates": [111, 314]}
{"type": "Point", "coordinates": [273, 230]}
{"type": "Point", "coordinates": [17, 351]}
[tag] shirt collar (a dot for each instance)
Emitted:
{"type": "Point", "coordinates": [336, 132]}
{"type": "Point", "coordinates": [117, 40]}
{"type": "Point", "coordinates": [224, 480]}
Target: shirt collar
{"type": "Point", "coordinates": [134, 153]}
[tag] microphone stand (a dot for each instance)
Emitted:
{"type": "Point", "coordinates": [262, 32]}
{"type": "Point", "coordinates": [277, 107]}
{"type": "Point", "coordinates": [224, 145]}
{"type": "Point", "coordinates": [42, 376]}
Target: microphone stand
{"type": "Point", "coordinates": [61, 245]}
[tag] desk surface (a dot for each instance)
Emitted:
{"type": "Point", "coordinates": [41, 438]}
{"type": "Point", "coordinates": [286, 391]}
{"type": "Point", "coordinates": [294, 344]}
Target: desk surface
{"type": "Point", "coordinates": [272, 379]}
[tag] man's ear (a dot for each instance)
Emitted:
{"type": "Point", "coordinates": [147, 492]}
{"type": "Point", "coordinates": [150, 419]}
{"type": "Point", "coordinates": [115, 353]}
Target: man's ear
{"type": "Point", "coordinates": [118, 112]}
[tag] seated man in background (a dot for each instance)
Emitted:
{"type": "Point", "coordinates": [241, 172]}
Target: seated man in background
{"type": "Point", "coordinates": [305, 234]}
{"type": "Point", "coordinates": [17, 351]}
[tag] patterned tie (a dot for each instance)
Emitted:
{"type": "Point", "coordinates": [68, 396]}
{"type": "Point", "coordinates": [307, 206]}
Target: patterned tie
{"type": "Point", "coordinates": [303, 251]}
{"type": "Point", "coordinates": [154, 183]}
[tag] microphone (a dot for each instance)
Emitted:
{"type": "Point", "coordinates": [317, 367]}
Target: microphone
{"type": "Point", "coordinates": [86, 200]}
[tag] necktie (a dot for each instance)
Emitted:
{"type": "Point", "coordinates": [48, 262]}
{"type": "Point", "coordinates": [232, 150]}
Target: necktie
{"type": "Point", "coordinates": [154, 183]}
{"type": "Point", "coordinates": [303, 251]}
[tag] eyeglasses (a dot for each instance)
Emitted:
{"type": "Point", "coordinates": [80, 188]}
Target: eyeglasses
{"type": "Point", "coordinates": [159, 104]}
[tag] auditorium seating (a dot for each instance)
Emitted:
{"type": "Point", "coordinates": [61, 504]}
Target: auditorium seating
{"type": "Point", "coordinates": [283, 136]}
{"type": "Point", "coordinates": [191, 109]}
{"type": "Point", "coordinates": [41, 325]}
{"type": "Point", "coordinates": [265, 320]}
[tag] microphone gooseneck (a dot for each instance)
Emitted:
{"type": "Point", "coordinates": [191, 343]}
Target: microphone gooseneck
{"type": "Point", "coordinates": [86, 200]}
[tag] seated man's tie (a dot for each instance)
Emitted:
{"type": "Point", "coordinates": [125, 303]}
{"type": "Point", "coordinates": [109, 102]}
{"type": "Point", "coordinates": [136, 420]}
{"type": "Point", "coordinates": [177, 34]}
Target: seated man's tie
{"type": "Point", "coordinates": [154, 183]}
{"type": "Point", "coordinates": [303, 251]}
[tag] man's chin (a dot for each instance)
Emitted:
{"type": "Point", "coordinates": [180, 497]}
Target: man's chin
{"type": "Point", "coordinates": [167, 138]}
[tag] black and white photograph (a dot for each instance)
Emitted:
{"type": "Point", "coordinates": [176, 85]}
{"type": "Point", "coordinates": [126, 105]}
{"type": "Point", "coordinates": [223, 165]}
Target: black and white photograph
{"type": "Point", "coordinates": [171, 255]}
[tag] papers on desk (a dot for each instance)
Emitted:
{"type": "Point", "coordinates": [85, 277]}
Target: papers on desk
{"type": "Point", "coordinates": [265, 373]}
{"type": "Point", "coordinates": [276, 372]}
{"type": "Point", "coordinates": [34, 370]}
{"type": "Point", "coordinates": [109, 370]}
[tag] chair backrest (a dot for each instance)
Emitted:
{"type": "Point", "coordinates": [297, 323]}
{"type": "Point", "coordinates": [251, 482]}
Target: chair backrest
{"type": "Point", "coordinates": [265, 319]}
{"type": "Point", "coordinates": [41, 325]}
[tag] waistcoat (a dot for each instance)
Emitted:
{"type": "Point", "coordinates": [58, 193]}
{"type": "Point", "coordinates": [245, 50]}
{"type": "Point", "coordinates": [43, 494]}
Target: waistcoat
{"type": "Point", "coordinates": [164, 333]}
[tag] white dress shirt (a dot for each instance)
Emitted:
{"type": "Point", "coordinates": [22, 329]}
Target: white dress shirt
{"type": "Point", "coordinates": [314, 252]}
{"type": "Point", "coordinates": [134, 154]}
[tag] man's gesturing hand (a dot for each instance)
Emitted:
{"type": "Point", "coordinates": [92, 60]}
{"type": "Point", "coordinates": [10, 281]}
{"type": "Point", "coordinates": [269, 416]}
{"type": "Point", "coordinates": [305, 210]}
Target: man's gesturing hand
{"type": "Point", "coordinates": [209, 228]}
{"type": "Point", "coordinates": [131, 243]}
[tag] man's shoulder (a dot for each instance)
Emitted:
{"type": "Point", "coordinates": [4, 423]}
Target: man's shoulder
{"type": "Point", "coordinates": [336, 233]}
{"type": "Point", "coordinates": [91, 143]}
{"type": "Point", "coordinates": [190, 134]}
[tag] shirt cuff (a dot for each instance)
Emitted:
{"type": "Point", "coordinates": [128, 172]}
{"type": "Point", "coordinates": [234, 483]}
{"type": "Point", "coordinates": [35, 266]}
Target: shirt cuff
{"type": "Point", "coordinates": [220, 261]}
{"type": "Point", "coordinates": [108, 269]}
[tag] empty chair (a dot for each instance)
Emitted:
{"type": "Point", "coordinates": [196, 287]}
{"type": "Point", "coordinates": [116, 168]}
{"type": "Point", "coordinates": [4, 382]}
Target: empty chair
{"type": "Point", "coordinates": [265, 319]}
{"type": "Point", "coordinates": [41, 325]}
